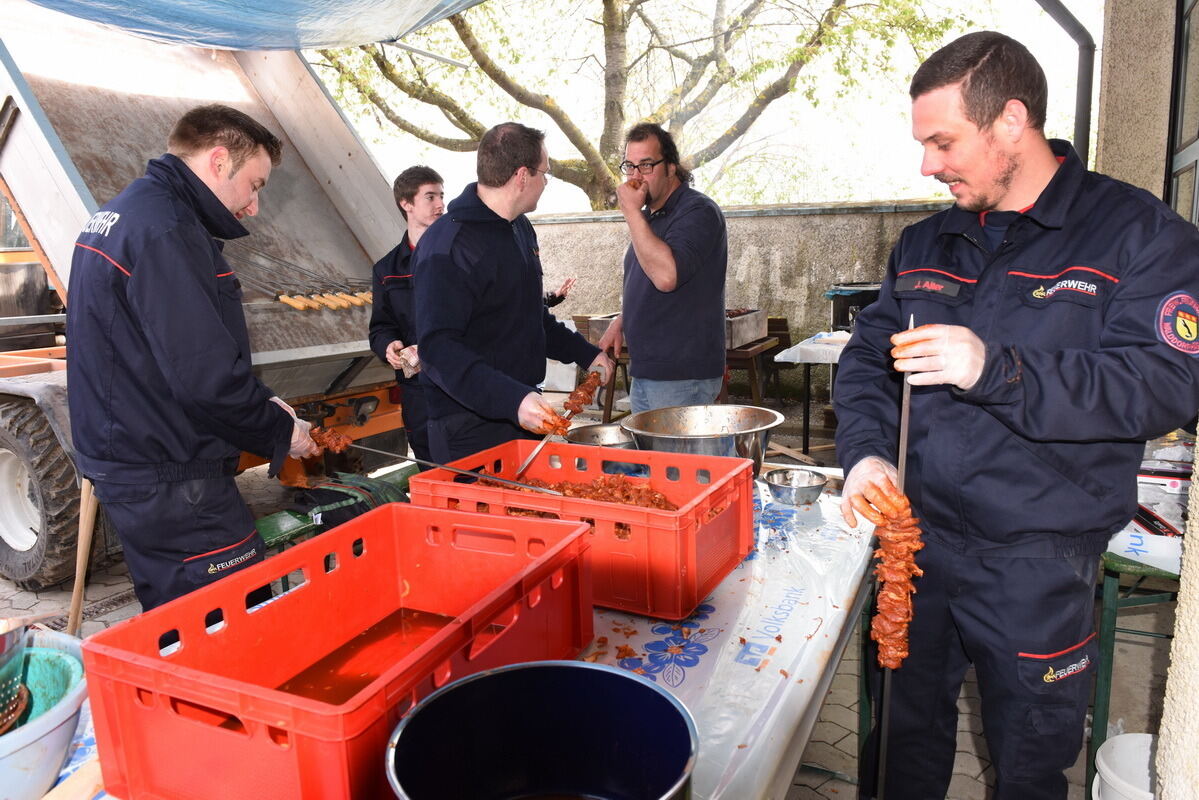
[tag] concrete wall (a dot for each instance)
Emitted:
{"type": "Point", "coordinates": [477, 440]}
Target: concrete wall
{"type": "Point", "coordinates": [781, 258]}
{"type": "Point", "coordinates": [1134, 93]}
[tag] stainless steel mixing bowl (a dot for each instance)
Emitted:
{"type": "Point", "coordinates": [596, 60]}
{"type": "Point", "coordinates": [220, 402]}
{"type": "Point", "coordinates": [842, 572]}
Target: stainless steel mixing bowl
{"type": "Point", "coordinates": [712, 430]}
{"type": "Point", "coordinates": [795, 487]}
{"type": "Point", "coordinates": [606, 435]}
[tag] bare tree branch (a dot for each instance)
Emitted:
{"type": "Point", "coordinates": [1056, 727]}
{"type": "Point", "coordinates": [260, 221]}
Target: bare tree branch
{"type": "Point", "coordinates": [541, 102]}
{"type": "Point", "coordinates": [425, 93]}
{"type": "Point", "coordinates": [375, 99]}
{"type": "Point", "coordinates": [774, 91]}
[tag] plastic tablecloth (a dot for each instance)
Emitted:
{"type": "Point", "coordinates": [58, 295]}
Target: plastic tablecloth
{"type": "Point", "coordinates": [752, 664]}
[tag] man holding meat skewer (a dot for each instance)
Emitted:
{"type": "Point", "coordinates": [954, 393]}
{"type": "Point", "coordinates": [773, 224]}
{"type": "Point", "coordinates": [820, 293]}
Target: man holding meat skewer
{"type": "Point", "coordinates": [1056, 331]}
{"type": "Point", "coordinates": [672, 314]}
{"type": "Point", "coordinates": [483, 328]}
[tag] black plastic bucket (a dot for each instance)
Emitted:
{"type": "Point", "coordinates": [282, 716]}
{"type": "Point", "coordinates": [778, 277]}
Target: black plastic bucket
{"type": "Point", "coordinates": [546, 729]}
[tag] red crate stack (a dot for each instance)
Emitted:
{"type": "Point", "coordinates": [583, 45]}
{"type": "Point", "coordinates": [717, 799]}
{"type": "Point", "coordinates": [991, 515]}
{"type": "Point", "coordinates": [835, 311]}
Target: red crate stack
{"type": "Point", "coordinates": [204, 718]}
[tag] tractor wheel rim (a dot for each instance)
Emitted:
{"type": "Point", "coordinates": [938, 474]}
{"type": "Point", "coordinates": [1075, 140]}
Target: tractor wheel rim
{"type": "Point", "coordinates": [19, 516]}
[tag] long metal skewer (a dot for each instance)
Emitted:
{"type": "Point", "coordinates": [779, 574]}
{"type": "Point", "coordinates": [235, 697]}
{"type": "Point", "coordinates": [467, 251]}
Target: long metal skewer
{"type": "Point", "coordinates": [905, 407]}
{"type": "Point", "coordinates": [435, 465]}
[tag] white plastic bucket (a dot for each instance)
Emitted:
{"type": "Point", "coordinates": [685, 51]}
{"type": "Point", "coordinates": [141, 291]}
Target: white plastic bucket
{"type": "Point", "coordinates": [1124, 767]}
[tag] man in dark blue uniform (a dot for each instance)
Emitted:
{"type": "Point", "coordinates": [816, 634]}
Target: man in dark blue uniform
{"type": "Point", "coordinates": [162, 397]}
{"type": "Point", "coordinates": [420, 196]}
{"type": "Point", "coordinates": [1057, 331]}
{"type": "Point", "coordinates": [483, 328]}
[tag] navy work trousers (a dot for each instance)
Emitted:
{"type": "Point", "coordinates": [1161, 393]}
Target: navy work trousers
{"type": "Point", "coordinates": [1027, 625]}
{"type": "Point", "coordinates": [181, 535]}
{"type": "Point", "coordinates": [461, 435]}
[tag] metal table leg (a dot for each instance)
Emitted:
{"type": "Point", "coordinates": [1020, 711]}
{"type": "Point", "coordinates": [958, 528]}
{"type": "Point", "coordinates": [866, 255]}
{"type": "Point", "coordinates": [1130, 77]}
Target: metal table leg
{"type": "Point", "coordinates": [807, 402]}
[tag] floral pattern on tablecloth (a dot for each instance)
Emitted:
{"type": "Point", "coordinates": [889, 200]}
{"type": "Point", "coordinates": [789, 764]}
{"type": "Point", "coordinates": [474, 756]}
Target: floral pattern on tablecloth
{"type": "Point", "coordinates": [682, 646]}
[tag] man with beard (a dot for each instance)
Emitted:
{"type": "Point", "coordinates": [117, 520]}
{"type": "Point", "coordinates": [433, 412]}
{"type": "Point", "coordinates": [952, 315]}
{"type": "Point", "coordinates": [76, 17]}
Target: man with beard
{"type": "Point", "coordinates": [673, 309]}
{"type": "Point", "coordinates": [1057, 329]}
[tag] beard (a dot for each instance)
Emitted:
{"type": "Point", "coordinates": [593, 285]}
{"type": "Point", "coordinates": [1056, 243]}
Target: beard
{"type": "Point", "coordinates": [989, 199]}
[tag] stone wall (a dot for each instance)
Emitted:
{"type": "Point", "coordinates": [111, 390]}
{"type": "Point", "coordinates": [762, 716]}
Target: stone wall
{"type": "Point", "coordinates": [781, 258]}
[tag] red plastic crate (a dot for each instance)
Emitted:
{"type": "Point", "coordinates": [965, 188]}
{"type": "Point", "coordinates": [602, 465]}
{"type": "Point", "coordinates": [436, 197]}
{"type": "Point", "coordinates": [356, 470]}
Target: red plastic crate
{"type": "Point", "coordinates": [206, 721]}
{"type": "Point", "coordinates": [656, 563]}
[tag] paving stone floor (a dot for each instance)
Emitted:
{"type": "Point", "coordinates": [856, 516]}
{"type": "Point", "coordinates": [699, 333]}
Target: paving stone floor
{"type": "Point", "coordinates": [829, 764]}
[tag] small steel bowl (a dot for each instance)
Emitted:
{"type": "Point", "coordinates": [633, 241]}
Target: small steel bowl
{"type": "Point", "coordinates": [795, 487]}
{"type": "Point", "coordinates": [606, 435]}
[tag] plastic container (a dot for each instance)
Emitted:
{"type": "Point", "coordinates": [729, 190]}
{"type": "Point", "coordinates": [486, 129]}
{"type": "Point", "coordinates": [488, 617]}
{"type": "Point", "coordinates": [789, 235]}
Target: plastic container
{"type": "Point", "coordinates": [597, 732]}
{"type": "Point", "coordinates": [32, 754]}
{"type": "Point", "coordinates": [205, 718]}
{"type": "Point", "coordinates": [1124, 767]}
{"type": "Point", "coordinates": [645, 561]}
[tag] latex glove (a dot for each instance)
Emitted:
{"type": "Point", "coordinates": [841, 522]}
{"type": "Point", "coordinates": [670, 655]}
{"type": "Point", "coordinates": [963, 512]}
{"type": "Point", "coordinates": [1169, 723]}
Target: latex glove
{"type": "Point", "coordinates": [410, 360]}
{"type": "Point", "coordinates": [613, 340]}
{"type": "Point", "coordinates": [604, 366]}
{"type": "Point", "coordinates": [394, 359]}
{"type": "Point", "coordinates": [534, 413]}
{"type": "Point", "coordinates": [301, 445]}
{"type": "Point", "coordinates": [937, 354]}
{"type": "Point", "coordinates": [870, 480]}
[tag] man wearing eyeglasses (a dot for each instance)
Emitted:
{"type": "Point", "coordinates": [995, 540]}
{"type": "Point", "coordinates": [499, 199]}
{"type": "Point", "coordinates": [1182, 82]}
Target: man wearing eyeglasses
{"type": "Point", "coordinates": [483, 328]}
{"type": "Point", "coordinates": [673, 308]}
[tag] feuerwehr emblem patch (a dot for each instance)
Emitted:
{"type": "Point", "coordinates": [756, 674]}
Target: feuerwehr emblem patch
{"type": "Point", "coordinates": [1178, 322]}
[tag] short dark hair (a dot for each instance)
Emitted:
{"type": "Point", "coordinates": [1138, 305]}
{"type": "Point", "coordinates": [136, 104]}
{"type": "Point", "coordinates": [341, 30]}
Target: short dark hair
{"type": "Point", "coordinates": [992, 69]}
{"type": "Point", "coordinates": [209, 126]}
{"type": "Point", "coordinates": [408, 182]}
{"type": "Point", "coordinates": [670, 151]}
{"type": "Point", "coordinates": [506, 148]}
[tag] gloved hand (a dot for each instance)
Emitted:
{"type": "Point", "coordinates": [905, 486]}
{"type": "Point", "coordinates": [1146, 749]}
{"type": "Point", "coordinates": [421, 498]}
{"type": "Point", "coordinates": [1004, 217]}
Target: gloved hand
{"type": "Point", "coordinates": [603, 365]}
{"type": "Point", "coordinates": [394, 358]}
{"type": "Point", "coordinates": [936, 354]}
{"type": "Point", "coordinates": [301, 445]}
{"type": "Point", "coordinates": [410, 360]}
{"type": "Point", "coordinates": [870, 480]}
{"type": "Point", "coordinates": [534, 413]}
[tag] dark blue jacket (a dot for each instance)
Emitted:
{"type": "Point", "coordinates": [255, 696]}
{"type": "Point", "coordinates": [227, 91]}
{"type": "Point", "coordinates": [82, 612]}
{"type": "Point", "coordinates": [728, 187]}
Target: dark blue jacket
{"type": "Point", "coordinates": [483, 329]}
{"type": "Point", "coordinates": [679, 335]}
{"type": "Point", "coordinates": [158, 357]}
{"type": "Point", "coordinates": [393, 312]}
{"type": "Point", "coordinates": [1089, 315]}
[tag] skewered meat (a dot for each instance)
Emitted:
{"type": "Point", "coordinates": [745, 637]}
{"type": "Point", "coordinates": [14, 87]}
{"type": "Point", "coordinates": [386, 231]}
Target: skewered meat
{"type": "Point", "coordinates": [582, 395]}
{"type": "Point", "coordinates": [899, 539]}
{"type": "Point", "coordinates": [607, 488]}
{"type": "Point", "coordinates": [329, 440]}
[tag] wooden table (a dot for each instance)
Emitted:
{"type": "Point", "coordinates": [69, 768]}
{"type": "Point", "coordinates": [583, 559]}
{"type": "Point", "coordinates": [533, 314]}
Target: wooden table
{"type": "Point", "coordinates": [747, 357]}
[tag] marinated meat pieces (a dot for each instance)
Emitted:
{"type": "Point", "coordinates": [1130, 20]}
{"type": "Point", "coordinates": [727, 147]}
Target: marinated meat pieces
{"type": "Point", "coordinates": [607, 488]}
{"type": "Point", "coordinates": [329, 440]}
{"type": "Point", "coordinates": [582, 395]}
{"type": "Point", "coordinates": [899, 539]}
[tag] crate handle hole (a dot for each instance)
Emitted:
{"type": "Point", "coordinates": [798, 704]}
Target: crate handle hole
{"type": "Point", "coordinates": [442, 675]}
{"type": "Point", "coordinates": [623, 531]}
{"type": "Point", "coordinates": [534, 597]}
{"type": "Point", "coordinates": [169, 642]}
{"type": "Point", "coordinates": [673, 474]}
{"type": "Point", "coordinates": [214, 621]}
{"type": "Point", "coordinates": [497, 467]}
{"type": "Point", "coordinates": [330, 562]}
{"type": "Point", "coordinates": [358, 547]}
{"type": "Point", "coordinates": [207, 715]}
{"type": "Point", "coordinates": [488, 634]}
{"type": "Point", "coordinates": [591, 522]}
{"type": "Point", "coordinates": [535, 547]}
{"type": "Point", "coordinates": [630, 469]}
{"type": "Point", "coordinates": [144, 697]}
{"type": "Point", "coordinates": [555, 461]}
{"type": "Point", "coordinates": [703, 476]}
{"type": "Point", "coordinates": [580, 464]}
{"type": "Point", "coordinates": [279, 736]}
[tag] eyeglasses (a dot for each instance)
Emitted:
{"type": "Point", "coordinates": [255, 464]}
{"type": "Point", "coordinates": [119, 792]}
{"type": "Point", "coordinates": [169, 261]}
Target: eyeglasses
{"type": "Point", "coordinates": [545, 172]}
{"type": "Point", "coordinates": [645, 167]}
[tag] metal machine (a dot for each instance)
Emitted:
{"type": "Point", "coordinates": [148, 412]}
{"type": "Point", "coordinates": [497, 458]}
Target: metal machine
{"type": "Point", "coordinates": [84, 108]}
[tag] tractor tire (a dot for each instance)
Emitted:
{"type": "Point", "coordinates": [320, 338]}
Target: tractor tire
{"type": "Point", "coordinates": [39, 500]}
